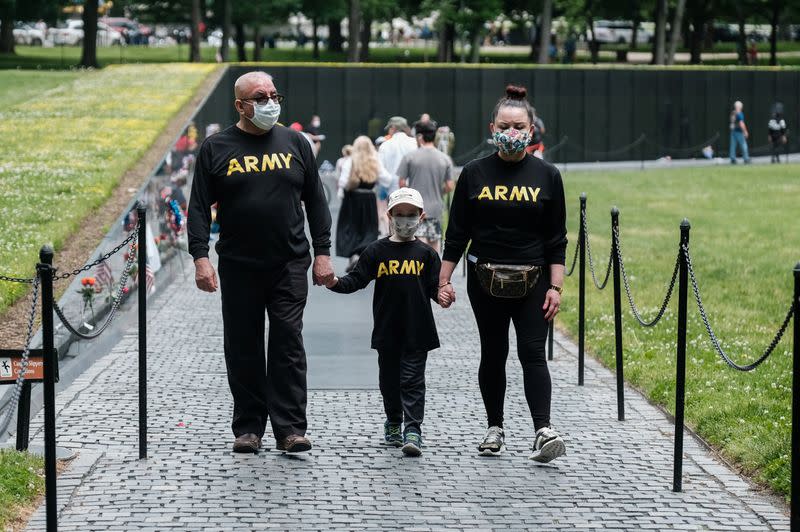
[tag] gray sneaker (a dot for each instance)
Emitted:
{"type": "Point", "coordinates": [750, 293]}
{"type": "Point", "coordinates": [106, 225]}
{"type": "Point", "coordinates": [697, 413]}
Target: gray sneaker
{"type": "Point", "coordinates": [547, 446]}
{"type": "Point", "coordinates": [493, 443]}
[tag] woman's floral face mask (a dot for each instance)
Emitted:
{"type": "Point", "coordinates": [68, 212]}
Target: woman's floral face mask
{"type": "Point", "coordinates": [512, 141]}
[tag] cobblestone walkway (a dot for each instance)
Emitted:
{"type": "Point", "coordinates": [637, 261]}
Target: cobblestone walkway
{"type": "Point", "coordinates": [617, 476]}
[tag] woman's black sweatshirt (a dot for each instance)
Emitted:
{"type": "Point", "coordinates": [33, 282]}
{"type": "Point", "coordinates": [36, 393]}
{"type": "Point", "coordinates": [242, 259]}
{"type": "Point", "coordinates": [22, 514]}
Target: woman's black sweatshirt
{"type": "Point", "coordinates": [512, 212]}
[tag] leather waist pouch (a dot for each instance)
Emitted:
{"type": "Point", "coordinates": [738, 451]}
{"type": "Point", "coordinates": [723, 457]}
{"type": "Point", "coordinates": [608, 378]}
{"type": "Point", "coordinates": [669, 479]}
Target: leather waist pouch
{"type": "Point", "coordinates": [507, 280]}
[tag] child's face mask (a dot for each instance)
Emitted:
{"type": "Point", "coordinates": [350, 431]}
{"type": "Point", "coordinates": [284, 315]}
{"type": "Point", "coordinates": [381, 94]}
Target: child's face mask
{"type": "Point", "coordinates": [405, 226]}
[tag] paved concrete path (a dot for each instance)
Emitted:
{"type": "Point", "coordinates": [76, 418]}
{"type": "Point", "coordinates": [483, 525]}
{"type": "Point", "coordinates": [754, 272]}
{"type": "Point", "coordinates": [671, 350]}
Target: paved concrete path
{"type": "Point", "coordinates": [617, 476]}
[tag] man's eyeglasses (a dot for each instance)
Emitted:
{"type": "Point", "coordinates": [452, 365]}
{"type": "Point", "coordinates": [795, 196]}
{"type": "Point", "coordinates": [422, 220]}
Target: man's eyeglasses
{"type": "Point", "coordinates": [264, 100]}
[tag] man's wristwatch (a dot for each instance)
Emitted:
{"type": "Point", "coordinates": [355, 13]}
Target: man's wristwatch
{"type": "Point", "coordinates": [558, 289]}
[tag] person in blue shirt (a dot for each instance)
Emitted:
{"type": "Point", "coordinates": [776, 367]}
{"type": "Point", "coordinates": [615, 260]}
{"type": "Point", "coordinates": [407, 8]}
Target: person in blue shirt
{"type": "Point", "coordinates": [739, 133]}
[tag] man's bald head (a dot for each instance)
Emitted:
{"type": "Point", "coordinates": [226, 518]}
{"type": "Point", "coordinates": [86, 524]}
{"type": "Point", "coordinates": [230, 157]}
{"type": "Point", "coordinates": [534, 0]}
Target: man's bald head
{"type": "Point", "coordinates": [247, 85]}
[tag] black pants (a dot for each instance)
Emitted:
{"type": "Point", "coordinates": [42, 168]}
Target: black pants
{"type": "Point", "coordinates": [273, 386]}
{"type": "Point", "coordinates": [493, 316]}
{"type": "Point", "coordinates": [401, 377]}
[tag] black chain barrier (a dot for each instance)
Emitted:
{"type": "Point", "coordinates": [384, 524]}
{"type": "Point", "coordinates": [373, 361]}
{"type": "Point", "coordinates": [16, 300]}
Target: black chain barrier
{"type": "Point", "coordinates": [689, 149]}
{"type": "Point", "coordinates": [131, 237]}
{"type": "Point", "coordinates": [574, 261]}
{"type": "Point", "coordinates": [21, 280]}
{"type": "Point", "coordinates": [117, 299]}
{"type": "Point", "coordinates": [713, 337]}
{"type": "Point", "coordinates": [17, 392]}
{"type": "Point", "coordinates": [615, 151]}
{"type": "Point", "coordinates": [597, 284]}
{"type": "Point", "coordinates": [626, 282]}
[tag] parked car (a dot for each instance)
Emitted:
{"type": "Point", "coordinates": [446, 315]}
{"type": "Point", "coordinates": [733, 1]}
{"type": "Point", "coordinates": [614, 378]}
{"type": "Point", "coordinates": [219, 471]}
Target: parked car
{"type": "Point", "coordinates": [132, 31]}
{"type": "Point", "coordinates": [28, 35]}
{"type": "Point", "coordinates": [619, 32]}
{"type": "Point", "coordinates": [71, 34]}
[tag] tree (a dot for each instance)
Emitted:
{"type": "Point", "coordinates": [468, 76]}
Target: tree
{"type": "Point", "coordinates": [7, 15]}
{"type": "Point", "coordinates": [776, 8]}
{"type": "Point", "coordinates": [544, 31]}
{"type": "Point", "coordinates": [675, 31]}
{"type": "Point", "coordinates": [194, 50]}
{"type": "Point", "coordinates": [227, 13]}
{"type": "Point", "coordinates": [699, 14]}
{"type": "Point", "coordinates": [353, 27]}
{"type": "Point", "coordinates": [661, 27]}
{"type": "Point", "coordinates": [89, 47]}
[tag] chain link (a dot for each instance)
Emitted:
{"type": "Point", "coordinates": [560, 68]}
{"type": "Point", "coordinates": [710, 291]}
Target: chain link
{"type": "Point", "coordinates": [602, 285]}
{"type": "Point", "coordinates": [715, 341]}
{"type": "Point", "coordinates": [574, 260]}
{"type": "Point", "coordinates": [626, 283]}
{"type": "Point", "coordinates": [131, 237]}
{"type": "Point", "coordinates": [116, 300]}
{"type": "Point", "coordinates": [10, 279]}
{"type": "Point", "coordinates": [12, 406]}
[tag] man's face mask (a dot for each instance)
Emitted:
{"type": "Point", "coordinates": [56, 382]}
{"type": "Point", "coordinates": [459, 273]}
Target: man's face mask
{"type": "Point", "coordinates": [511, 141]}
{"type": "Point", "coordinates": [265, 116]}
{"type": "Point", "coordinates": [405, 226]}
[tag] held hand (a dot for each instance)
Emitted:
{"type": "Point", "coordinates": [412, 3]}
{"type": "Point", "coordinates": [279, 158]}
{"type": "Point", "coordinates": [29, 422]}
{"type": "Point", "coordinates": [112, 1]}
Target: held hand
{"type": "Point", "coordinates": [322, 270]}
{"type": "Point", "coordinates": [552, 302]}
{"type": "Point", "coordinates": [447, 296]}
{"type": "Point", "coordinates": [333, 282]}
{"type": "Point", "coordinates": [204, 275]}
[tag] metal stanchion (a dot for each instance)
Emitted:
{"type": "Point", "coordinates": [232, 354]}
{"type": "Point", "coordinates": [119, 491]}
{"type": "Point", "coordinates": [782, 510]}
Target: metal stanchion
{"type": "Point", "coordinates": [45, 269]}
{"type": "Point", "coordinates": [24, 417]}
{"type": "Point", "coordinates": [582, 288]}
{"type": "Point", "coordinates": [617, 315]}
{"type": "Point", "coordinates": [680, 381]}
{"type": "Point", "coordinates": [795, 519]}
{"type": "Point", "coordinates": [550, 341]}
{"type": "Point", "coordinates": [141, 211]}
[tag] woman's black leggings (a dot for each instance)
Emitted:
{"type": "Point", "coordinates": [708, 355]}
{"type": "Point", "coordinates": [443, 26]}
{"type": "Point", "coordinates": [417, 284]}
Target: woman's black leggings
{"type": "Point", "coordinates": [494, 316]}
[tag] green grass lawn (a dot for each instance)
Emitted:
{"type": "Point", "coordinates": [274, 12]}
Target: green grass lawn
{"type": "Point", "coordinates": [16, 87]}
{"type": "Point", "coordinates": [21, 482]}
{"type": "Point", "coordinates": [64, 148]}
{"type": "Point", "coordinates": [744, 245]}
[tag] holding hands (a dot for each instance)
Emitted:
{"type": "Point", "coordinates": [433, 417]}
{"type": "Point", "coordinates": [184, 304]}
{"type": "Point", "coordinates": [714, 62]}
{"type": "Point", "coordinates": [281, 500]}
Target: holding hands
{"type": "Point", "coordinates": [447, 295]}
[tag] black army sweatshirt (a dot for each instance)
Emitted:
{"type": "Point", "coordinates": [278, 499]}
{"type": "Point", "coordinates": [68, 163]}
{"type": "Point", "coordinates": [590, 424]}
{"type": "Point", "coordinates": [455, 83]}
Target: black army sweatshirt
{"type": "Point", "coordinates": [406, 278]}
{"type": "Point", "coordinates": [259, 182]}
{"type": "Point", "coordinates": [512, 212]}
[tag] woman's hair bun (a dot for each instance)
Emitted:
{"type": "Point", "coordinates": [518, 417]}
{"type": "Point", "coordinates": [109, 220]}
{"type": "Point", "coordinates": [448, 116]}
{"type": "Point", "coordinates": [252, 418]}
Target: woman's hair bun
{"type": "Point", "coordinates": [515, 92]}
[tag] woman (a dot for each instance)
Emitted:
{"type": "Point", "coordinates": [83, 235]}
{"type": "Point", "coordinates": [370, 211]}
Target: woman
{"type": "Point", "coordinates": [510, 205]}
{"type": "Point", "coordinates": [358, 216]}
{"type": "Point", "coordinates": [347, 151]}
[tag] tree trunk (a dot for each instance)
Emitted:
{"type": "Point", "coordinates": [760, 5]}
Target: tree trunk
{"type": "Point", "coordinates": [773, 35]}
{"type": "Point", "coordinates": [544, 32]}
{"type": "Point", "coordinates": [314, 33]}
{"type": "Point", "coordinates": [741, 39]}
{"type": "Point", "coordinates": [660, 36]}
{"type": "Point", "coordinates": [696, 44]}
{"type": "Point", "coordinates": [447, 35]}
{"type": "Point", "coordinates": [675, 31]}
{"type": "Point", "coordinates": [637, 20]}
{"type": "Point", "coordinates": [194, 42]}
{"type": "Point", "coordinates": [8, 13]}
{"type": "Point", "coordinates": [89, 48]}
{"type": "Point", "coordinates": [353, 26]}
{"type": "Point", "coordinates": [257, 44]}
{"type": "Point", "coordinates": [335, 40]}
{"type": "Point", "coordinates": [239, 38]}
{"type": "Point", "coordinates": [366, 36]}
{"type": "Point", "coordinates": [224, 52]}
{"type": "Point", "coordinates": [475, 47]}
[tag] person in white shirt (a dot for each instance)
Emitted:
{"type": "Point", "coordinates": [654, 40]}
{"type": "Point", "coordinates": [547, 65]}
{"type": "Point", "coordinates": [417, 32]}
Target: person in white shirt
{"type": "Point", "coordinates": [390, 153]}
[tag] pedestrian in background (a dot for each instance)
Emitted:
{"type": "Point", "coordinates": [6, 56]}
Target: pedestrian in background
{"type": "Point", "coordinates": [739, 133]}
{"type": "Point", "coordinates": [777, 132]}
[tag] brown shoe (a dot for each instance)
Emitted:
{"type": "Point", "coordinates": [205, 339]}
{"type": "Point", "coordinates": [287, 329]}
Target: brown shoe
{"type": "Point", "coordinates": [247, 443]}
{"type": "Point", "coordinates": [294, 443]}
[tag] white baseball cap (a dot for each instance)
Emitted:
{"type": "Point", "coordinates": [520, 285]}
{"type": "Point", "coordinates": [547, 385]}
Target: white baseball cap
{"type": "Point", "coordinates": [406, 195]}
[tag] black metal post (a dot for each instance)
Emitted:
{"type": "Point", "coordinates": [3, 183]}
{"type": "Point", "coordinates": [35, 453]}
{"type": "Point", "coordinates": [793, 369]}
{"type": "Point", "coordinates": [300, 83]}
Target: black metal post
{"type": "Point", "coordinates": [581, 288]}
{"type": "Point", "coordinates": [617, 315]}
{"type": "Point", "coordinates": [795, 519]}
{"type": "Point", "coordinates": [24, 417]}
{"type": "Point", "coordinates": [45, 269]}
{"type": "Point", "coordinates": [141, 212]}
{"type": "Point", "coordinates": [680, 381]}
{"type": "Point", "coordinates": [550, 341]}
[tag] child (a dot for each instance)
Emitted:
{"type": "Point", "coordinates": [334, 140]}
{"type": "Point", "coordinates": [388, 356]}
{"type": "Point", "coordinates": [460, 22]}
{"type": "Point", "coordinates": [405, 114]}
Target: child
{"type": "Point", "coordinates": [406, 274]}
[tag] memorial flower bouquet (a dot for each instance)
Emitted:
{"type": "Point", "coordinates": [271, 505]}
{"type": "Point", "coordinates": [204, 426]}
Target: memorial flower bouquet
{"type": "Point", "coordinates": [89, 289]}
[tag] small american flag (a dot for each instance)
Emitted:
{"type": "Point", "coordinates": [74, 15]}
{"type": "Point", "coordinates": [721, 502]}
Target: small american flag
{"type": "Point", "coordinates": [150, 279]}
{"type": "Point", "coordinates": [104, 275]}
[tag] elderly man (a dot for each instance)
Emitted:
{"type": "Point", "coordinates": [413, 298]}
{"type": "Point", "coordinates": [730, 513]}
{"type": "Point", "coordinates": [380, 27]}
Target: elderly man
{"type": "Point", "coordinates": [739, 133]}
{"type": "Point", "coordinates": [261, 173]}
{"type": "Point", "coordinates": [390, 153]}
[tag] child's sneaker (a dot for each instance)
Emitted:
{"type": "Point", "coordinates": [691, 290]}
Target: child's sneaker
{"type": "Point", "coordinates": [547, 446]}
{"type": "Point", "coordinates": [392, 434]}
{"type": "Point", "coordinates": [412, 444]}
{"type": "Point", "coordinates": [494, 442]}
